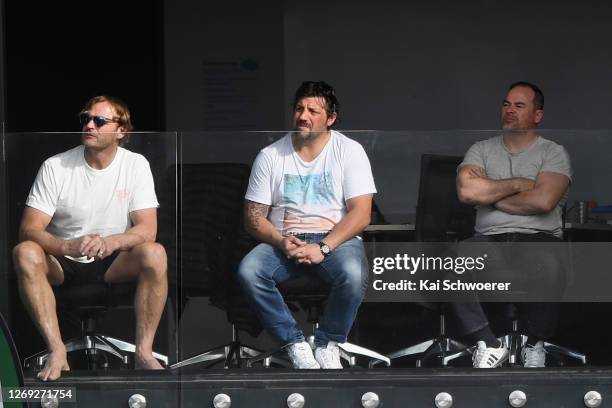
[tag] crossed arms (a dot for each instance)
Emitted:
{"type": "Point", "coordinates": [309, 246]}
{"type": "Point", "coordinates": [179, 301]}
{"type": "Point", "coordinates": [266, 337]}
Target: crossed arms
{"type": "Point", "coordinates": [357, 218]}
{"type": "Point", "coordinates": [517, 196]}
{"type": "Point", "coordinates": [34, 224]}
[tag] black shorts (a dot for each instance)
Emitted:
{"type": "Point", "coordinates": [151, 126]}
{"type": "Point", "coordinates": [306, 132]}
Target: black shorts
{"type": "Point", "coordinates": [76, 273]}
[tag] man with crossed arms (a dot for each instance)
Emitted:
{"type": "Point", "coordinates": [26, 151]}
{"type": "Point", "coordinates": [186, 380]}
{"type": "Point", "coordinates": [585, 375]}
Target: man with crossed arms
{"type": "Point", "coordinates": [518, 182]}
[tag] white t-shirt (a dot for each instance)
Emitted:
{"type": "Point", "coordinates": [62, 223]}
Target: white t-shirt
{"type": "Point", "coordinates": [82, 200]}
{"type": "Point", "coordinates": [309, 196]}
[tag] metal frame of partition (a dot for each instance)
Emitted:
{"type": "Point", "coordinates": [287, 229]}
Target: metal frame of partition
{"type": "Point", "coordinates": [4, 291]}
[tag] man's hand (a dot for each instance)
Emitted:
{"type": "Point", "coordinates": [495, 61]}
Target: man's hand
{"type": "Point", "coordinates": [309, 254]}
{"type": "Point", "coordinates": [290, 243]}
{"type": "Point", "coordinates": [549, 188]}
{"type": "Point", "coordinates": [92, 246]}
{"type": "Point", "coordinates": [75, 247]}
{"type": "Point", "coordinates": [475, 171]}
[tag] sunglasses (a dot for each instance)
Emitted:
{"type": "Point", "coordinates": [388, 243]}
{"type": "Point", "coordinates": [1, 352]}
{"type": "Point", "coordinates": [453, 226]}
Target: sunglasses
{"type": "Point", "coordinates": [98, 121]}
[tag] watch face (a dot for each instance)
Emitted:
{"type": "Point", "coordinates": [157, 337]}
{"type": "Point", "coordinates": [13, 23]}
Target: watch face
{"type": "Point", "coordinates": [324, 248]}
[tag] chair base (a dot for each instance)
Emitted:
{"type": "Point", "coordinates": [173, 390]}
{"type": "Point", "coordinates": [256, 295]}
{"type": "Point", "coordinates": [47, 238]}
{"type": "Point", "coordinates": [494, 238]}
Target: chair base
{"type": "Point", "coordinates": [444, 348]}
{"type": "Point", "coordinates": [91, 344]}
{"type": "Point", "coordinates": [350, 351]}
{"type": "Point", "coordinates": [233, 354]}
{"type": "Point", "coordinates": [516, 341]}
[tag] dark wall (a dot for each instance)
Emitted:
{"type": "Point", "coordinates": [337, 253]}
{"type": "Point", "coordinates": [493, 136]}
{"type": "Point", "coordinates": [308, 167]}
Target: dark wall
{"type": "Point", "coordinates": [59, 54]}
{"type": "Point", "coordinates": [224, 65]}
{"type": "Point", "coordinates": [2, 87]}
{"type": "Point", "coordinates": [3, 285]}
{"type": "Point", "coordinates": [444, 64]}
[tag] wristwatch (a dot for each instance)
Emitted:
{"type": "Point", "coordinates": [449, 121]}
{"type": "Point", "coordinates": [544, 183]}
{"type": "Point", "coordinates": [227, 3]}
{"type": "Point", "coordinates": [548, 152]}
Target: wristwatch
{"type": "Point", "coordinates": [325, 249]}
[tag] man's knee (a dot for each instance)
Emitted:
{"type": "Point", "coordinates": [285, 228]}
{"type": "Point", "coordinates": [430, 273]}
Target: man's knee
{"type": "Point", "coordinates": [252, 268]}
{"type": "Point", "coordinates": [152, 258]}
{"type": "Point", "coordinates": [548, 268]}
{"type": "Point", "coordinates": [29, 259]}
{"type": "Point", "coordinates": [353, 274]}
{"type": "Point", "coordinates": [247, 270]}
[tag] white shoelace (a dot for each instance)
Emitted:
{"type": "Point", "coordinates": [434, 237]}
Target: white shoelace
{"type": "Point", "coordinates": [330, 356]}
{"type": "Point", "coordinates": [535, 356]}
{"type": "Point", "coordinates": [489, 355]}
{"type": "Point", "coordinates": [302, 353]}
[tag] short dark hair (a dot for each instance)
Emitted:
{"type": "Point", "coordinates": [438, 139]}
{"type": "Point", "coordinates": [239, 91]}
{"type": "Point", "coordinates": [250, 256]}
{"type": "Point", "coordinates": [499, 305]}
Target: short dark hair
{"type": "Point", "coordinates": [538, 99]}
{"type": "Point", "coordinates": [319, 89]}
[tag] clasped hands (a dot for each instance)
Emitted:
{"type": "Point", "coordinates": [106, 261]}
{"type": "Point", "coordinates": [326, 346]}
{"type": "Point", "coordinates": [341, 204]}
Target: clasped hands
{"type": "Point", "coordinates": [300, 251]}
{"type": "Point", "coordinates": [91, 245]}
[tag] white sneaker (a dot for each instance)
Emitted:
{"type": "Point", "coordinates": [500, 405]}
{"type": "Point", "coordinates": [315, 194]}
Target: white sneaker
{"type": "Point", "coordinates": [489, 357]}
{"type": "Point", "coordinates": [328, 357]}
{"type": "Point", "coordinates": [534, 356]}
{"type": "Point", "coordinates": [301, 356]}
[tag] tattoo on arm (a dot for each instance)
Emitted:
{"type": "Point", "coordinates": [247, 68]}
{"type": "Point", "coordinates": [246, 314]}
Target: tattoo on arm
{"type": "Point", "coordinates": [255, 212]}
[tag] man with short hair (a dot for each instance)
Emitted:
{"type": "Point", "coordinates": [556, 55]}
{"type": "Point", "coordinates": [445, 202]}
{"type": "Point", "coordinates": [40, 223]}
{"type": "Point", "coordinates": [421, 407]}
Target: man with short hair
{"type": "Point", "coordinates": [519, 183]}
{"type": "Point", "coordinates": [91, 216]}
{"type": "Point", "coordinates": [309, 196]}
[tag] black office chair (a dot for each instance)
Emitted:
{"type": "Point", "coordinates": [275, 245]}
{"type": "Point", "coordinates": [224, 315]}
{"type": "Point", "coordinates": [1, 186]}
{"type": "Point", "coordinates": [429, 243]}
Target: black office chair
{"type": "Point", "coordinates": [440, 217]}
{"type": "Point", "coordinates": [84, 305]}
{"type": "Point", "coordinates": [211, 243]}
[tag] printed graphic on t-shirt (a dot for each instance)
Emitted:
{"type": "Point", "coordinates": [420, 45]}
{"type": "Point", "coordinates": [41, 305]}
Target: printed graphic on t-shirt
{"type": "Point", "coordinates": [293, 222]}
{"type": "Point", "coordinates": [313, 189]}
{"type": "Point", "coordinates": [122, 194]}
{"type": "Point", "coordinates": [306, 196]}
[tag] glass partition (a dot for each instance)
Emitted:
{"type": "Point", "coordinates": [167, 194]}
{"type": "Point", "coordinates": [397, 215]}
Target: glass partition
{"type": "Point", "coordinates": [396, 158]}
{"type": "Point", "coordinates": [200, 180]}
{"type": "Point", "coordinates": [214, 172]}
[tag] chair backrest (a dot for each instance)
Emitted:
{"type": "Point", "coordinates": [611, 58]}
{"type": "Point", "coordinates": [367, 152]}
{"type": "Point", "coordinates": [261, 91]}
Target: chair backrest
{"type": "Point", "coordinates": [440, 216]}
{"type": "Point", "coordinates": [211, 240]}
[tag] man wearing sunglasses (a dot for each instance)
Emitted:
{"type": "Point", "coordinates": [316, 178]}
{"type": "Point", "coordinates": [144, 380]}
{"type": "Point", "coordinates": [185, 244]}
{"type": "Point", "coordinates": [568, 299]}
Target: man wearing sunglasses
{"type": "Point", "coordinates": [91, 216]}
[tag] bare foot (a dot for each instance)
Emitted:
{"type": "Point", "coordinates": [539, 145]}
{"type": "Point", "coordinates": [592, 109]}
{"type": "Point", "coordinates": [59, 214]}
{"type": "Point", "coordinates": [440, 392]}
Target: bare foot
{"type": "Point", "coordinates": [147, 363]}
{"type": "Point", "coordinates": [56, 363]}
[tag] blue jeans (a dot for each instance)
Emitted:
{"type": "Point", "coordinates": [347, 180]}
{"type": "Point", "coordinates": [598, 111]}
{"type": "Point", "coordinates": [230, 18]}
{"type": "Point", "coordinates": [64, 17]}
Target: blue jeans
{"type": "Point", "coordinates": [345, 269]}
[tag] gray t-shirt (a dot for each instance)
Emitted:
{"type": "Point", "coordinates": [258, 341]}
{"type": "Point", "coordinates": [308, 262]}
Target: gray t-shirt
{"type": "Point", "coordinates": [542, 156]}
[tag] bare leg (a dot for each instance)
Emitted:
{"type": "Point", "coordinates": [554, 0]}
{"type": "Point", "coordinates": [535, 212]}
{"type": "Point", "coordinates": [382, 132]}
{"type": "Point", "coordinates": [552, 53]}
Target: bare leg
{"type": "Point", "coordinates": [146, 262]}
{"type": "Point", "coordinates": [36, 272]}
